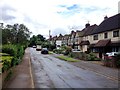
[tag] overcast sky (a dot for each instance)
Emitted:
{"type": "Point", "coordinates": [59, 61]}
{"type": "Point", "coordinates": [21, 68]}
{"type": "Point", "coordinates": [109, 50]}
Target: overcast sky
{"type": "Point", "coordinates": [59, 16]}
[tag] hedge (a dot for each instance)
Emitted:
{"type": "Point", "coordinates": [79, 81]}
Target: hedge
{"type": "Point", "coordinates": [12, 55]}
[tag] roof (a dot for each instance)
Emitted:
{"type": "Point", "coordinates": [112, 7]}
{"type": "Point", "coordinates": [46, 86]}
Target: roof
{"type": "Point", "coordinates": [85, 42]}
{"type": "Point", "coordinates": [108, 24]}
{"type": "Point", "coordinates": [115, 43]}
{"type": "Point", "coordinates": [102, 43]}
{"type": "Point", "coordinates": [88, 30]}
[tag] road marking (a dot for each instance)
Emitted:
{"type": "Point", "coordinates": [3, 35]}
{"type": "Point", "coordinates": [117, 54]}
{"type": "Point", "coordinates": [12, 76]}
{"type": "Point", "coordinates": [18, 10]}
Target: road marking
{"type": "Point", "coordinates": [33, 86]}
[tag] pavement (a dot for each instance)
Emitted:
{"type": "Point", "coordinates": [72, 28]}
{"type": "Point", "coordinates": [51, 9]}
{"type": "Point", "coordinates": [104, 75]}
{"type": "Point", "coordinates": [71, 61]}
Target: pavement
{"type": "Point", "coordinates": [22, 75]}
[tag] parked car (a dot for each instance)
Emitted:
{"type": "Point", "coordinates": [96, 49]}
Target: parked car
{"type": "Point", "coordinates": [34, 46]}
{"type": "Point", "coordinates": [38, 48]}
{"type": "Point", "coordinates": [110, 55]}
{"type": "Point", "coordinates": [44, 51]}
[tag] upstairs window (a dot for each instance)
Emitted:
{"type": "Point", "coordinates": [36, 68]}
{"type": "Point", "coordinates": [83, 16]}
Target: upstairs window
{"type": "Point", "coordinates": [95, 37]}
{"type": "Point", "coordinates": [105, 35]}
{"type": "Point", "coordinates": [116, 33]}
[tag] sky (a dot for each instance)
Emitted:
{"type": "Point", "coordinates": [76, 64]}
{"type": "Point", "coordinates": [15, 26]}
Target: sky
{"type": "Point", "coordinates": [58, 16]}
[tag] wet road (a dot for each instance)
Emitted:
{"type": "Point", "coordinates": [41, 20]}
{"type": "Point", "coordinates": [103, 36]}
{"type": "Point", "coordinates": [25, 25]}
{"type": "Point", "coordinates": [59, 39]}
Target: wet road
{"type": "Point", "coordinates": [50, 72]}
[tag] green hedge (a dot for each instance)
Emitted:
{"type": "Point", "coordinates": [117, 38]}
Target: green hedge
{"type": "Point", "coordinates": [14, 51]}
{"type": "Point", "coordinates": [6, 62]}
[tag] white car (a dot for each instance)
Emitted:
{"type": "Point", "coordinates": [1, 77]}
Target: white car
{"type": "Point", "coordinates": [112, 53]}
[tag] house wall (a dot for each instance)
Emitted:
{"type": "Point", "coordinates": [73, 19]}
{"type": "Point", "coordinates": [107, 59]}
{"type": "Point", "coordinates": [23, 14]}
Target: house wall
{"type": "Point", "coordinates": [84, 48]}
{"type": "Point", "coordinates": [101, 37]}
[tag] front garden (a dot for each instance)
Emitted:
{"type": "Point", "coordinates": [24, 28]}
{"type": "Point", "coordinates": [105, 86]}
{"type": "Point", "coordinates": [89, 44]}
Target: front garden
{"type": "Point", "coordinates": [67, 52]}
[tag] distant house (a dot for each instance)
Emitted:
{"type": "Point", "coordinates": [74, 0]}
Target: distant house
{"type": "Point", "coordinates": [65, 39]}
{"type": "Point", "coordinates": [106, 37]}
{"type": "Point", "coordinates": [59, 41]}
{"type": "Point", "coordinates": [78, 39]}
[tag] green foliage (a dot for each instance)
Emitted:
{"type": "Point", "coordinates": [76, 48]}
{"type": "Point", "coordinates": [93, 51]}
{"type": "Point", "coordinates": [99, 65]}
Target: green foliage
{"type": "Point", "coordinates": [36, 40]}
{"type": "Point", "coordinates": [8, 75]}
{"type": "Point", "coordinates": [58, 51]}
{"type": "Point", "coordinates": [6, 62]}
{"type": "Point", "coordinates": [16, 51]}
{"type": "Point", "coordinates": [14, 34]}
{"type": "Point", "coordinates": [9, 49]}
{"type": "Point", "coordinates": [92, 57]}
{"type": "Point", "coordinates": [68, 51]}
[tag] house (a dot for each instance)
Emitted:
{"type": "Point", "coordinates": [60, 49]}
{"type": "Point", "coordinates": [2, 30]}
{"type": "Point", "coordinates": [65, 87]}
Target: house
{"type": "Point", "coordinates": [59, 41]}
{"type": "Point", "coordinates": [106, 37]}
{"type": "Point", "coordinates": [85, 41]}
{"type": "Point", "coordinates": [53, 39]}
{"type": "Point", "coordinates": [78, 39]}
{"type": "Point", "coordinates": [65, 39]}
{"type": "Point", "coordinates": [72, 39]}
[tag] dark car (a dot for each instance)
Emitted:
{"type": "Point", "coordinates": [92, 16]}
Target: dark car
{"type": "Point", "coordinates": [44, 51]}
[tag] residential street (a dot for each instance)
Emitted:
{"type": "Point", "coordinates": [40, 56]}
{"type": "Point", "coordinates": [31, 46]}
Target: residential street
{"type": "Point", "coordinates": [50, 72]}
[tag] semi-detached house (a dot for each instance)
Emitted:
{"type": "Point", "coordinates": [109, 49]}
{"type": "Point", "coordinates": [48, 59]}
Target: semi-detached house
{"type": "Point", "coordinates": [106, 37]}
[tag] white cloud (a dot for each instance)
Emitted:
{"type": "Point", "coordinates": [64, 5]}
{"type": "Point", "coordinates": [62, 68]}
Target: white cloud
{"type": "Point", "coordinates": [40, 16]}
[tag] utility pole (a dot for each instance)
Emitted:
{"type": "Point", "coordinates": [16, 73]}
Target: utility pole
{"type": "Point", "coordinates": [49, 33]}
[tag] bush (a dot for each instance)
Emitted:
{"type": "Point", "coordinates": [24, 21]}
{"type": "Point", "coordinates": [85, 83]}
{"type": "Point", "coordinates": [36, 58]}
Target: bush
{"type": "Point", "coordinates": [9, 49]}
{"type": "Point", "coordinates": [92, 57]}
{"type": "Point", "coordinates": [58, 51]}
{"type": "Point", "coordinates": [7, 61]}
{"type": "Point", "coordinates": [117, 58]}
{"type": "Point", "coordinates": [17, 51]}
{"type": "Point", "coordinates": [68, 50]}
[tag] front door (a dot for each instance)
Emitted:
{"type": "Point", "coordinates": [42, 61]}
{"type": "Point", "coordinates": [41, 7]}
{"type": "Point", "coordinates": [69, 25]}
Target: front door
{"type": "Point", "coordinates": [100, 55]}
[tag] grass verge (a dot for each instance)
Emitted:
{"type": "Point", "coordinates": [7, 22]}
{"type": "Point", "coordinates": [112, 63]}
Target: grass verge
{"type": "Point", "coordinates": [67, 59]}
{"type": "Point", "coordinates": [50, 52]}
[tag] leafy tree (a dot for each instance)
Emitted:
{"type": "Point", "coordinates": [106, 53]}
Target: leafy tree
{"type": "Point", "coordinates": [37, 40]}
{"type": "Point", "coordinates": [15, 34]}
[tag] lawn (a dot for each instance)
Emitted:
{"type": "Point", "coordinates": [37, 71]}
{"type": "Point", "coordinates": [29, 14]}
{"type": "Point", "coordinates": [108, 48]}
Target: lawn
{"type": "Point", "coordinates": [50, 52]}
{"type": "Point", "coordinates": [66, 58]}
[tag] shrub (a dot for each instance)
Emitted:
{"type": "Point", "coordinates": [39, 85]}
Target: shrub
{"type": "Point", "coordinates": [6, 60]}
{"type": "Point", "coordinates": [68, 50]}
{"type": "Point", "coordinates": [17, 51]}
{"type": "Point", "coordinates": [117, 58]}
{"type": "Point", "coordinates": [58, 51]}
{"type": "Point", "coordinates": [9, 49]}
{"type": "Point", "coordinates": [92, 57]}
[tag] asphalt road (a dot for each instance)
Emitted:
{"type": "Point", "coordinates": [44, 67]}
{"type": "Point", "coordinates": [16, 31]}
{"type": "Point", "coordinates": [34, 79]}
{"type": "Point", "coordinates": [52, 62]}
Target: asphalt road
{"type": "Point", "coordinates": [50, 72]}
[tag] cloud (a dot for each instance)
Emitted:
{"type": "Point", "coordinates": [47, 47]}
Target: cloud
{"type": "Point", "coordinates": [40, 16]}
{"type": "Point", "coordinates": [58, 31]}
{"type": "Point", "coordinates": [6, 13]}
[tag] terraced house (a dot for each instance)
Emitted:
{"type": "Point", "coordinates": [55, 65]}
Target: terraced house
{"type": "Point", "coordinates": [98, 39]}
{"type": "Point", "coordinates": [106, 37]}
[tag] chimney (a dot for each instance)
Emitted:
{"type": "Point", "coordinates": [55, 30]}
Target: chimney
{"type": "Point", "coordinates": [87, 25]}
{"type": "Point", "coordinates": [105, 17]}
{"type": "Point", "coordinates": [72, 32]}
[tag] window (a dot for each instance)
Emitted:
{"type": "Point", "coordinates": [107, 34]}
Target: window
{"type": "Point", "coordinates": [95, 37]}
{"type": "Point", "coordinates": [105, 35]}
{"type": "Point", "coordinates": [116, 33]}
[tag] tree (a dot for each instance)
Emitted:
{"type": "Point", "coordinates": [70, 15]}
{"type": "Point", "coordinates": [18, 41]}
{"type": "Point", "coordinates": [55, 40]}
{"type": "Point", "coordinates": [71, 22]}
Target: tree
{"type": "Point", "coordinates": [15, 34]}
{"type": "Point", "coordinates": [37, 40]}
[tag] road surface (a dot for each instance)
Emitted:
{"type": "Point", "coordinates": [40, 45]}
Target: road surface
{"type": "Point", "coordinates": [50, 72]}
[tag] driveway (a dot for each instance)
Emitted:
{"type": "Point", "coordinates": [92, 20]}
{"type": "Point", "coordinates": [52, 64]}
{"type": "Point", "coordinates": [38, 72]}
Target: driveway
{"type": "Point", "coordinates": [50, 72]}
